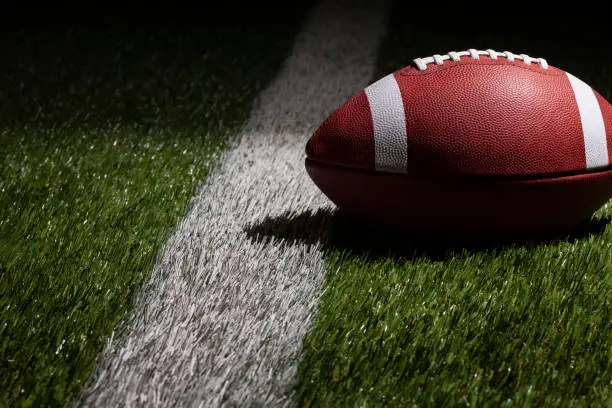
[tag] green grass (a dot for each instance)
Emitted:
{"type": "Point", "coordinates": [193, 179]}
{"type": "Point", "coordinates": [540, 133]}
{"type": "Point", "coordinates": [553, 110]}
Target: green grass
{"type": "Point", "coordinates": [526, 323]}
{"type": "Point", "coordinates": [521, 325]}
{"type": "Point", "coordinates": [104, 135]}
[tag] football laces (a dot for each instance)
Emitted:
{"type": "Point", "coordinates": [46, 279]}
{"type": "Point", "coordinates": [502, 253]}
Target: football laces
{"type": "Point", "coordinates": [439, 59]}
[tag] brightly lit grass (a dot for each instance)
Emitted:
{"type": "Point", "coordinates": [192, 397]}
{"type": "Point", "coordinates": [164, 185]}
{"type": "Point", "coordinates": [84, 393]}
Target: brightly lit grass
{"type": "Point", "coordinates": [104, 135]}
{"type": "Point", "coordinates": [514, 324]}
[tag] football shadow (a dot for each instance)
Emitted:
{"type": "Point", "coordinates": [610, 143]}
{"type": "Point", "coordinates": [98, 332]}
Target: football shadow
{"type": "Point", "coordinates": [335, 231]}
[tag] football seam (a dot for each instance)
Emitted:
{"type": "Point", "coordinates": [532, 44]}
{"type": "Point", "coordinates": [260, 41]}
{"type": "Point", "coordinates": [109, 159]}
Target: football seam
{"type": "Point", "coordinates": [468, 178]}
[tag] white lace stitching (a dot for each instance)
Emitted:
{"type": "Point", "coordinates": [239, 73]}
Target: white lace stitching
{"type": "Point", "coordinates": [438, 59]}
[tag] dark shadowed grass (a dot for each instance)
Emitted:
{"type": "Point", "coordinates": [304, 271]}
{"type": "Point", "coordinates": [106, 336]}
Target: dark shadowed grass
{"type": "Point", "coordinates": [518, 324]}
{"type": "Point", "coordinates": [105, 132]}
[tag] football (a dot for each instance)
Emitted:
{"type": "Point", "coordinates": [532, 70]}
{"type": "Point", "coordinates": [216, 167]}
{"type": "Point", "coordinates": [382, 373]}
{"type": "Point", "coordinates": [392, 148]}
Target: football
{"type": "Point", "coordinates": [470, 141]}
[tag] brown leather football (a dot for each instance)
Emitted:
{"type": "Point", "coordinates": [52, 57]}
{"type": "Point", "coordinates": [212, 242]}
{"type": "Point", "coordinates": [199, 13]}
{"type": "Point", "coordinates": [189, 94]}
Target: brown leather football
{"type": "Point", "coordinates": [468, 141]}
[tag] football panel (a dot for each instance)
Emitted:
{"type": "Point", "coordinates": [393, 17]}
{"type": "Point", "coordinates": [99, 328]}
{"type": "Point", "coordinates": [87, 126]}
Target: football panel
{"type": "Point", "coordinates": [462, 205]}
{"type": "Point", "coordinates": [345, 138]}
{"type": "Point", "coordinates": [491, 120]}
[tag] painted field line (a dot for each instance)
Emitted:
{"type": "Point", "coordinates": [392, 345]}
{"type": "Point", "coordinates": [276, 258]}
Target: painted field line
{"type": "Point", "coordinates": [221, 320]}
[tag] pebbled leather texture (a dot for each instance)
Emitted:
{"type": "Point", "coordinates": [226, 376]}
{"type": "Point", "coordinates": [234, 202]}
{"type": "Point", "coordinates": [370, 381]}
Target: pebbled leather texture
{"type": "Point", "coordinates": [480, 117]}
{"type": "Point", "coordinates": [606, 111]}
{"type": "Point", "coordinates": [346, 137]}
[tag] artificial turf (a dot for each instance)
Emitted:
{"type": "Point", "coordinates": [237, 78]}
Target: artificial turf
{"type": "Point", "coordinates": [518, 323]}
{"type": "Point", "coordinates": [105, 132]}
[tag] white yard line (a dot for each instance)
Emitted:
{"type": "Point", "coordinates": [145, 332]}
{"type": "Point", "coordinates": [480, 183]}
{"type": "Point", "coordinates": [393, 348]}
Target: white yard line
{"type": "Point", "coordinates": [222, 317]}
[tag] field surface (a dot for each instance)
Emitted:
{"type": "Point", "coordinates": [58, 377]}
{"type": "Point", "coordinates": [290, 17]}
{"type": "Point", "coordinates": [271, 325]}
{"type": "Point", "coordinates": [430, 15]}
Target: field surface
{"type": "Point", "coordinates": [106, 132]}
